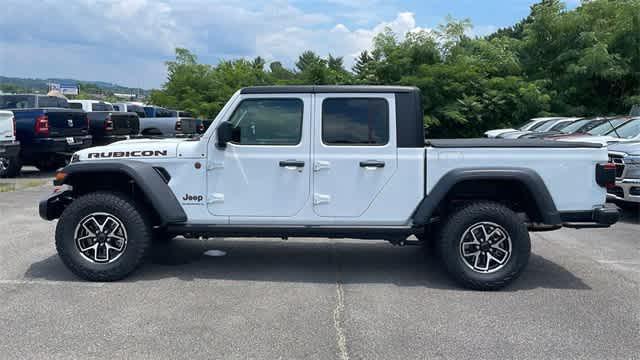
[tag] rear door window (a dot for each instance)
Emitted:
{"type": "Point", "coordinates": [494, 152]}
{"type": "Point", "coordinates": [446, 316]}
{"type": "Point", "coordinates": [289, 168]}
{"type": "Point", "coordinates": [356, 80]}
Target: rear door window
{"type": "Point", "coordinates": [355, 121]}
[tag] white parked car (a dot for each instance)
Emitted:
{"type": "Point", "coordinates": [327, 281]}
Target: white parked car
{"type": "Point", "coordinates": [628, 131]}
{"type": "Point", "coordinates": [525, 127]}
{"type": "Point", "coordinates": [9, 148]}
{"type": "Point", "coordinates": [541, 127]}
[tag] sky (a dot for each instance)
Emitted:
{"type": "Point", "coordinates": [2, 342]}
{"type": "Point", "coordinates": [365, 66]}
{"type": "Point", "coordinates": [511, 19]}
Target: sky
{"type": "Point", "coordinates": [127, 41]}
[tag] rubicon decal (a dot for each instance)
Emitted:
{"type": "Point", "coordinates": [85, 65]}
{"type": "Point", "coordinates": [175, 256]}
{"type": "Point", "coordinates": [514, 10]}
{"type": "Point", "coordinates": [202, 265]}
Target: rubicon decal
{"type": "Point", "coordinates": [135, 153]}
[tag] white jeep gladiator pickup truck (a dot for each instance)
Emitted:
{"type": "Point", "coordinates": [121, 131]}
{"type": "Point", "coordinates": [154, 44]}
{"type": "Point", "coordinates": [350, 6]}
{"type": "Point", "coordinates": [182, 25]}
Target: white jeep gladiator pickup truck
{"type": "Point", "coordinates": [329, 161]}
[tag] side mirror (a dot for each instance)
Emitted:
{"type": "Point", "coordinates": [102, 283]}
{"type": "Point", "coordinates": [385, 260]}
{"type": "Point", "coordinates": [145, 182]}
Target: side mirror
{"type": "Point", "coordinates": [224, 133]}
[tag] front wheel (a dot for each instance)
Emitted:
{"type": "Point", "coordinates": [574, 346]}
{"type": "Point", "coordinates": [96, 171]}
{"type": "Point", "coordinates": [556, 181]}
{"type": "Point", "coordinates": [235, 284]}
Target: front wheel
{"type": "Point", "coordinates": [103, 236]}
{"type": "Point", "coordinates": [10, 167]}
{"type": "Point", "coordinates": [484, 246]}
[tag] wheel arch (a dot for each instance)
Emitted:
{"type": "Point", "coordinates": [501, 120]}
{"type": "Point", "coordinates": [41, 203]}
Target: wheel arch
{"type": "Point", "coordinates": [145, 180]}
{"type": "Point", "coordinates": [524, 183]}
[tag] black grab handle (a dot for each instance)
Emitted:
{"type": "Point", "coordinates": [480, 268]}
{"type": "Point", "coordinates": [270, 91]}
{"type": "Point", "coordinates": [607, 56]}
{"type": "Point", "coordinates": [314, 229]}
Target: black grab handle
{"type": "Point", "coordinates": [291, 163]}
{"type": "Point", "coordinates": [372, 163]}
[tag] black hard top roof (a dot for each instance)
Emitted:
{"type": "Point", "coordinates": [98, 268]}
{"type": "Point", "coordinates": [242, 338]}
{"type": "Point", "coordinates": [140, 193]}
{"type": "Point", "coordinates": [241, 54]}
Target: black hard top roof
{"type": "Point", "coordinates": [327, 89]}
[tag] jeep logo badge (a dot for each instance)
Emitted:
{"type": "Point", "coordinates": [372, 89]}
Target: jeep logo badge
{"type": "Point", "coordinates": [70, 122]}
{"type": "Point", "coordinates": [188, 197]}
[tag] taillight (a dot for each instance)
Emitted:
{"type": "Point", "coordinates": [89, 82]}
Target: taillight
{"type": "Point", "coordinates": [606, 175]}
{"type": "Point", "coordinates": [108, 124]}
{"type": "Point", "coordinates": [42, 125]}
{"type": "Point", "coordinates": [14, 125]}
{"type": "Point", "coordinates": [178, 125]}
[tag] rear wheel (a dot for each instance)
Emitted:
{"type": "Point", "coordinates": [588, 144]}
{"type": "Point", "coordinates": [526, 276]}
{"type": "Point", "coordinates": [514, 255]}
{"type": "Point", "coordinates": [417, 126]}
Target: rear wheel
{"type": "Point", "coordinates": [103, 236]}
{"type": "Point", "coordinates": [10, 167]}
{"type": "Point", "coordinates": [484, 246]}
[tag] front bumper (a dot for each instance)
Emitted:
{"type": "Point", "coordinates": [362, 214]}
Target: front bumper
{"type": "Point", "coordinates": [52, 206]}
{"type": "Point", "coordinates": [63, 145]}
{"type": "Point", "coordinates": [9, 149]}
{"type": "Point", "coordinates": [597, 218]}
{"type": "Point", "coordinates": [627, 190]}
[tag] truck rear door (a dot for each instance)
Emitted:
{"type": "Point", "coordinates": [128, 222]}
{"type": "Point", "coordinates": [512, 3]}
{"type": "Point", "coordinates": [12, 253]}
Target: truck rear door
{"type": "Point", "coordinates": [354, 151]}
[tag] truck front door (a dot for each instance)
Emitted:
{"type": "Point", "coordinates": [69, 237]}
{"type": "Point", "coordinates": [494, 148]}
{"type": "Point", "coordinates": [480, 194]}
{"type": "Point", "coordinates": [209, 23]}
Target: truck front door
{"type": "Point", "coordinates": [265, 171]}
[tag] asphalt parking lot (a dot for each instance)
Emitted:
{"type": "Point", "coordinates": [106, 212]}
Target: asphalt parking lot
{"type": "Point", "coordinates": [315, 299]}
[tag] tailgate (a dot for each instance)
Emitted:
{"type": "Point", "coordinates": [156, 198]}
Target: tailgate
{"type": "Point", "coordinates": [125, 123]}
{"type": "Point", "coordinates": [67, 122]}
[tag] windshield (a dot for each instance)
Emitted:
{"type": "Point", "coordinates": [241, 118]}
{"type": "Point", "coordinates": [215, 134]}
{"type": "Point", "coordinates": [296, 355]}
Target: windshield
{"type": "Point", "coordinates": [629, 130]}
{"type": "Point", "coordinates": [561, 125]}
{"type": "Point", "coordinates": [547, 126]}
{"type": "Point", "coordinates": [137, 109]}
{"type": "Point", "coordinates": [526, 125]}
{"type": "Point", "coordinates": [52, 101]}
{"type": "Point", "coordinates": [575, 126]}
{"type": "Point", "coordinates": [582, 126]}
{"type": "Point", "coordinates": [101, 107]}
{"type": "Point", "coordinates": [17, 101]}
{"type": "Point", "coordinates": [539, 124]}
{"type": "Point", "coordinates": [606, 126]}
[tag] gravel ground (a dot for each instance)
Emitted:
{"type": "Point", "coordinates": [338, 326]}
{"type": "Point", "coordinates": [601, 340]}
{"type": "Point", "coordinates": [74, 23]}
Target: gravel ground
{"type": "Point", "coordinates": [315, 299]}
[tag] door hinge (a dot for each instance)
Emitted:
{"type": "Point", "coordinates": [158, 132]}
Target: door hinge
{"type": "Point", "coordinates": [321, 164]}
{"type": "Point", "coordinates": [321, 199]}
{"type": "Point", "coordinates": [215, 198]}
{"type": "Point", "coordinates": [211, 165]}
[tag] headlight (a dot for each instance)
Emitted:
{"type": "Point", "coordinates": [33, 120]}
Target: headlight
{"type": "Point", "coordinates": [632, 164]}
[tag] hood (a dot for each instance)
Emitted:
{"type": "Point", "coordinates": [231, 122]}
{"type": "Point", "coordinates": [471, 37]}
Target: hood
{"type": "Point", "coordinates": [494, 133]}
{"type": "Point", "coordinates": [631, 148]}
{"type": "Point", "coordinates": [514, 134]}
{"type": "Point", "coordinates": [133, 149]}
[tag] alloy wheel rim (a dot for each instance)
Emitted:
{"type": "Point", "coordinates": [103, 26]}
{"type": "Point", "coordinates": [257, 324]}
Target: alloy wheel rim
{"type": "Point", "coordinates": [485, 247]}
{"type": "Point", "coordinates": [4, 163]}
{"type": "Point", "coordinates": [100, 238]}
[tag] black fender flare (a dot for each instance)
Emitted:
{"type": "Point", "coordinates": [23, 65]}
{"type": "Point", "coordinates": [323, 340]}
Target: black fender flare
{"type": "Point", "coordinates": [529, 178]}
{"type": "Point", "coordinates": [144, 175]}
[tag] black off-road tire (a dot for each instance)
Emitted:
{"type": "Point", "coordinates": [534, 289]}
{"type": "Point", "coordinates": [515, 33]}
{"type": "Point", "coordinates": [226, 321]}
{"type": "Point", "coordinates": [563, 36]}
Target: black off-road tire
{"type": "Point", "coordinates": [11, 167]}
{"type": "Point", "coordinates": [455, 227]}
{"type": "Point", "coordinates": [135, 221]}
{"type": "Point", "coordinates": [427, 244]}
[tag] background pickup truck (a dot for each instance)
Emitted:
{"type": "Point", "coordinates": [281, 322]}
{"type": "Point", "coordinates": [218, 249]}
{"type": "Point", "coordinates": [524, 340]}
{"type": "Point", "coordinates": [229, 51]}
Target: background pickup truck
{"type": "Point", "coordinates": [334, 161]}
{"type": "Point", "coordinates": [167, 123]}
{"type": "Point", "coordinates": [49, 132]}
{"type": "Point", "coordinates": [626, 157]}
{"type": "Point", "coordinates": [105, 124]}
{"type": "Point", "coordinates": [9, 147]}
